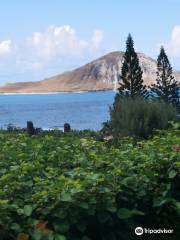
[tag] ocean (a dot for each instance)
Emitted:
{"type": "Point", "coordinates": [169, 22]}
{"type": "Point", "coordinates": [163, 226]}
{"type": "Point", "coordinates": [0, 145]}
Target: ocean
{"type": "Point", "coordinates": [86, 110]}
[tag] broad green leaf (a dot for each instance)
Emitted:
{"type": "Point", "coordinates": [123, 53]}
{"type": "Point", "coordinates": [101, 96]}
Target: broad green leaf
{"type": "Point", "coordinates": [59, 237]}
{"type": "Point", "coordinates": [28, 210]}
{"type": "Point", "coordinates": [15, 226]}
{"type": "Point", "coordinates": [124, 213]}
{"type": "Point", "coordinates": [37, 235]}
{"type": "Point", "coordinates": [84, 205]}
{"type": "Point", "coordinates": [61, 227]}
{"type": "Point", "coordinates": [177, 204]}
{"type": "Point", "coordinates": [137, 213]}
{"type": "Point", "coordinates": [65, 197]}
{"type": "Point", "coordinates": [172, 173]}
{"type": "Point", "coordinates": [159, 202]}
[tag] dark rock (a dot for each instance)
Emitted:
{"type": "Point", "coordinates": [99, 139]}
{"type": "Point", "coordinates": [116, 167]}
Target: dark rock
{"type": "Point", "coordinates": [67, 127]}
{"type": "Point", "coordinates": [30, 128]}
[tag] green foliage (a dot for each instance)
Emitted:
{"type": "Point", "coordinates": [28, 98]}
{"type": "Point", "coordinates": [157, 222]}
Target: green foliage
{"type": "Point", "coordinates": [131, 81]}
{"type": "Point", "coordinates": [138, 117]}
{"type": "Point", "coordinates": [166, 87]}
{"type": "Point", "coordinates": [71, 188]}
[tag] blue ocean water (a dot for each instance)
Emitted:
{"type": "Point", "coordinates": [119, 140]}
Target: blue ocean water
{"type": "Point", "coordinates": [86, 110]}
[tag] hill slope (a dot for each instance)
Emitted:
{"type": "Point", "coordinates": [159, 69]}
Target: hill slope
{"type": "Point", "coordinates": [100, 74]}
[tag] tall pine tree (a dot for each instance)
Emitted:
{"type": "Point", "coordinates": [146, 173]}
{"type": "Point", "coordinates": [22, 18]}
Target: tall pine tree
{"type": "Point", "coordinates": [130, 80]}
{"type": "Point", "coordinates": [166, 87]}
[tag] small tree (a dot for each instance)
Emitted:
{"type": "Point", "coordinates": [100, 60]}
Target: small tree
{"type": "Point", "coordinates": [166, 87]}
{"type": "Point", "coordinates": [130, 80]}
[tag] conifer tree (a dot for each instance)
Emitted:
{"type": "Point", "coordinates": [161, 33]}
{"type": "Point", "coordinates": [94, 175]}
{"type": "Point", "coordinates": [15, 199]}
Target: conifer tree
{"type": "Point", "coordinates": [166, 87]}
{"type": "Point", "coordinates": [130, 80]}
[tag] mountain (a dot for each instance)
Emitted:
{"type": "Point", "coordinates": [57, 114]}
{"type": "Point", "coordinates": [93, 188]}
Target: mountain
{"type": "Point", "coordinates": [100, 74]}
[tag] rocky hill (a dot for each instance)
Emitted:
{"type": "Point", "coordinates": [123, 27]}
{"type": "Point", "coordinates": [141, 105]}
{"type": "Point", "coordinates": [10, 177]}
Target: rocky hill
{"type": "Point", "coordinates": [100, 74]}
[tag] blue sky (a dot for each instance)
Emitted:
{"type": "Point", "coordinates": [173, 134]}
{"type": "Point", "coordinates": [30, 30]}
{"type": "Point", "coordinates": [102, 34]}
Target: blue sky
{"type": "Point", "coordinates": [40, 38]}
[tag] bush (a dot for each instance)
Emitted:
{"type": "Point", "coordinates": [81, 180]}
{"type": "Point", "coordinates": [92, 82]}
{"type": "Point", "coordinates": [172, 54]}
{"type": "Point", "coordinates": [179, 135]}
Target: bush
{"type": "Point", "coordinates": [72, 188]}
{"type": "Point", "coordinates": [138, 117]}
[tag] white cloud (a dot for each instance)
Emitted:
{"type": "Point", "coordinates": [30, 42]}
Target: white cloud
{"type": "Point", "coordinates": [97, 38]}
{"type": "Point", "coordinates": [61, 41]}
{"type": "Point", "coordinates": [6, 47]}
{"type": "Point", "coordinates": [56, 49]}
{"type": "Point", "coordinates": [173, 46]}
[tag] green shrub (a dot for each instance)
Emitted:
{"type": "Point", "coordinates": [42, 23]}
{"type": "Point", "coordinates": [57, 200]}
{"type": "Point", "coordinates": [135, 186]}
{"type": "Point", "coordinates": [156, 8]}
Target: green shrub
{"type": "Point", "coordinates": [72, 188]}
{"type": "Point", "coordinates": [138, 117]}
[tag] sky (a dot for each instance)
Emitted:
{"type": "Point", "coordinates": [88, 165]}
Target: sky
{"type": "Point", "coordinates": [42, 38]}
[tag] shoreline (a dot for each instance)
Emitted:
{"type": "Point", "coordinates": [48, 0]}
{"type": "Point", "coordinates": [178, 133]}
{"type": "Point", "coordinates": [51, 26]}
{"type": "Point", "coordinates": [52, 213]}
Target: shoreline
{"type": "Point", "coordinates": [46, 93]}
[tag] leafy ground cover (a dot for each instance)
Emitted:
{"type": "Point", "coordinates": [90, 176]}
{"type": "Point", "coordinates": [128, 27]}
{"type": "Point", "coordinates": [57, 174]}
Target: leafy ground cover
{"type": "Point", "coordinates": [68, 187]}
